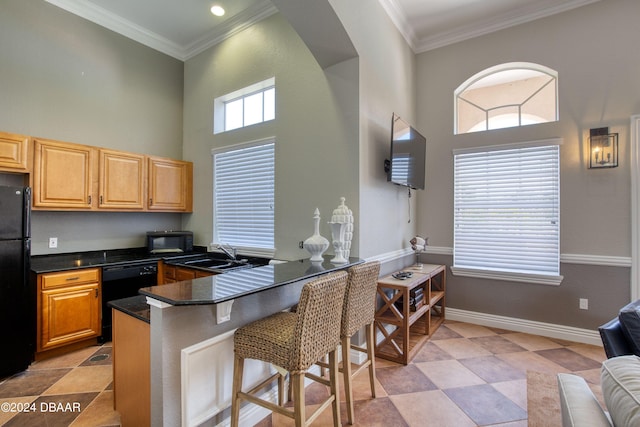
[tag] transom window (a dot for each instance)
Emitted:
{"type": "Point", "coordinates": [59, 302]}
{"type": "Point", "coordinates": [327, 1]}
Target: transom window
{"type": "Point", "coordinates": [507, 95]}
{"type": "Point", "coordinates": [245, 107]}
{"type": "Point", "coordinates": [243, 196]}
{"type": "Point", "coordinates": [506, 212]}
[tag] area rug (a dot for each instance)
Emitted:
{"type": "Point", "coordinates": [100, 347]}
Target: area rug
{"type": "Point", "coordinates": [543, 401]}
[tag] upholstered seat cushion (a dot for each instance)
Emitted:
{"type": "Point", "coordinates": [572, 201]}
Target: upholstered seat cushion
{"type": "Point", "coordinates": [620, 379]}
{"type": "Point", "coordinates": [629, 317]}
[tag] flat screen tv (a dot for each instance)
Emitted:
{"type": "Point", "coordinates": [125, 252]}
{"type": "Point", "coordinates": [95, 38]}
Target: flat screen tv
{"type": "Point", "coordinates": [408, 155]}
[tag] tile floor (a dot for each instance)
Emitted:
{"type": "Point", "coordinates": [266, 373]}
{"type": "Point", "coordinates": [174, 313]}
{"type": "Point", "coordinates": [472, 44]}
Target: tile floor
{"type": "Point", "coordinates": [466, 375]}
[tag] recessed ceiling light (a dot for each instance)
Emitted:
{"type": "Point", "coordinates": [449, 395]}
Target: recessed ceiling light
{"type": "Point", "coordinates": [217, 10]}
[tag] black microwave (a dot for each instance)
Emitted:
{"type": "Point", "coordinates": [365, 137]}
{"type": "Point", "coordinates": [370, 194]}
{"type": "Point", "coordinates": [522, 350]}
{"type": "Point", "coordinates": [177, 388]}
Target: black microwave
{"type": "Point", "coordinates": [169, 241]}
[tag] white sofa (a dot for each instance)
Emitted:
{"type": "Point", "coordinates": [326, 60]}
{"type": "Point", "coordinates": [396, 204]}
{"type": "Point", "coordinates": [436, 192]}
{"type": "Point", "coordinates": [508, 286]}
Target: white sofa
{"type": "Point", "coordinates": [620, 380]}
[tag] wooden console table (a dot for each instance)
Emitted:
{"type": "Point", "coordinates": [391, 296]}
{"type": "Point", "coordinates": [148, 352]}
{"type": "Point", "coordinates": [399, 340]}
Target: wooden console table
{"type": "Point", "coordinates": [413, 324]}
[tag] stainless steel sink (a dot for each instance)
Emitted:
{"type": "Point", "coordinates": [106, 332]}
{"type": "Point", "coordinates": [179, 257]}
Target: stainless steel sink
{"type": "Point", "coordinates": [218, 264]}
{"type": "Point", "coordinates": [206, 263]}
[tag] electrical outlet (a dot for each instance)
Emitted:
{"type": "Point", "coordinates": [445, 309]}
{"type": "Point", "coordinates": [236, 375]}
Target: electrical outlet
{"type": "Point", "coordinates": [584, 304]}
{"type": "Point", "coordinates": [53, 242]}
{"type": "Point", "coordinates": [301, 244]}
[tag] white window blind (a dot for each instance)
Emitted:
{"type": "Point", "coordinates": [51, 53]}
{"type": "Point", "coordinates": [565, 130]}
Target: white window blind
{"type": "Point", "coordinates": [244, 195]}
{"type": "Point", "coordinates": [506, 209]}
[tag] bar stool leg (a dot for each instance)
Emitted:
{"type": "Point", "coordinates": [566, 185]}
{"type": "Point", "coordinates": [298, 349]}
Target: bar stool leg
{"type": "Point", "coordinates": [370, 333]}
{"type": "Point", "coordinates": [333, 381]}
{"type": "Point", "coordinates": [238, 367]}
{"type": "Point", "coordinates": [346, 374]}
{"type": "Point", "coordinates": [297, 382]}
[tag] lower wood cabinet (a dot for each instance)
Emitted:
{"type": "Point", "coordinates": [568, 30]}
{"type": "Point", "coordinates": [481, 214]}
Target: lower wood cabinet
{"type": "Point", "coordinates": [131, 369]}
{"type": "Point", "coordinates": [68, 307]}
{"type": "Point", "coordinates": [172, 274]}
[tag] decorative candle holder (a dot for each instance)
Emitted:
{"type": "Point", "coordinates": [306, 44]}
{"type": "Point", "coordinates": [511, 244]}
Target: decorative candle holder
{"type": "Point", "coordinates": [316, 244]}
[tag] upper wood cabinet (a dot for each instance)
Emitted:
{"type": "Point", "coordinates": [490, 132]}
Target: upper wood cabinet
{"type": "Point", "coordinates": [170, 185]}
{"type": "Point", "coordinates": [63, 175]}
{"type": "Point", "coordinates": [14, 152]}
{"type": "Point", "coordinates": [69, 176]}
{"type": "Point", "coordinates": [122, 180]}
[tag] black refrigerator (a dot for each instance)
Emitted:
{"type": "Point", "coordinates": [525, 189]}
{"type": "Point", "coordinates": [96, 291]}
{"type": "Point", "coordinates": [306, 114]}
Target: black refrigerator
{"type": "Point", "coordinates": [17, 301]}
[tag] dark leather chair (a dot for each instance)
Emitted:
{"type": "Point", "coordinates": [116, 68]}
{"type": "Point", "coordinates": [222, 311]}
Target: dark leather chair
{"type": "Point", "coordinates": [621, 335]}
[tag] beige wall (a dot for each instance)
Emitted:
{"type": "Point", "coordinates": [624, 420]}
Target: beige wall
{"type": "Point", "coordinates": [387, 84]}
{"type": "Point", "coordinates": [62, 77]}
{"type": "Point", "coordinates": [316, 143]}
{"type": "Point", "coordinates": [593, 49]}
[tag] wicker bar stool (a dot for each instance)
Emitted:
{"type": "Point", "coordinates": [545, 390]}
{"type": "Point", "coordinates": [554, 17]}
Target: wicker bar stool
{"type": "Point", "coordinates": [358, 311]}
{"type": "Point", "coordinates": [294, 342]}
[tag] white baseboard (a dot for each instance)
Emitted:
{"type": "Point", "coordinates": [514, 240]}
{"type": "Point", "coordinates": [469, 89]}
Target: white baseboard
{"type": "Point", "coordinates": [550, 330]}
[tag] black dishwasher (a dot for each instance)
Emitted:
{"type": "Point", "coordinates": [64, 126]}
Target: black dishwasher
{"type": "Point", "coordinates": [123, 281]}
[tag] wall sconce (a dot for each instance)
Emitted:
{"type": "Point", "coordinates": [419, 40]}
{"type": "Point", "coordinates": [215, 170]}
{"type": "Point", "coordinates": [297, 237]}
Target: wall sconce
{"type": "Point", "coordinates": [603, 148]}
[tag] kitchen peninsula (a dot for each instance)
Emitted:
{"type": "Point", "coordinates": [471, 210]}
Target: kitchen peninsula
{"type": "Point", "coordinates": [191, 337]}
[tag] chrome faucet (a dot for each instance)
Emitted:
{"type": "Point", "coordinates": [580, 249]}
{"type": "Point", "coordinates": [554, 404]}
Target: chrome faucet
{"type": "Point", "coordinates": [229, 250]}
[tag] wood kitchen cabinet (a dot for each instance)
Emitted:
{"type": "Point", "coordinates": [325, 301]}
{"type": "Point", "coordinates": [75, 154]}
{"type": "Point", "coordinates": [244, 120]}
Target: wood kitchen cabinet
{"type": "Point", "coordinates": [68, 307]}
{"type": "Point", "coordinates": [171, 273]}
{"type": "Point", "coordinates": [122, 180]}
{"type": "Point", "coordinates": [63, 175]}
{"type": "Point", "coordinates": [14, 152]}
{"type": "Point", "coordinates": [68, 176]}
{"type": "Point", "coordinates": [170, 185]}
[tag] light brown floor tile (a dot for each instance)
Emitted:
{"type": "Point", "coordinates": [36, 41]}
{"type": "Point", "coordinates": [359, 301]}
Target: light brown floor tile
{"type": "Point", "coordinates": [361, 387]}
{"type": "Point", "coordinates": [516, 391]}
{"type": "Point", "coordinates": [591, 351]}
{"type": "Point", "coordinates": [430, 353]}
{"type": "Point", "coordinates": [468, 330]}
{"type": "Point", "coordinates": [82, 380]}
{"type": "Point", "coordinates": [460, 348]}
{"type": "Point", "coordinates": [531, 342]}
{"type": "Point", "coordinates": [100, 412]}
{"type": "Point", "coordinates": [430, 408]}
{"type": "Point", "coordinates": [497, 344]}
{"type": "Point", "coordinates": [530, 361]}
{"type": "Point", "coordinates": [69, 360]}
{"type": "Point", "coordinates": [449, 374]}
{"type": "Point", "coordinates": [16, 405]}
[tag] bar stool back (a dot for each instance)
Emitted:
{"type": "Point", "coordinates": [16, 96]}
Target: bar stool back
{"type": "Point", "coordinates": [294, 342]}
{"type": "Point", "coordinates": [358, 311]}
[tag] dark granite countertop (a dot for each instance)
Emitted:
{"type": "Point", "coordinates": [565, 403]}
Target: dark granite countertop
{"type": "Point", "coordinates": [233, 284]}
{"type": "Point", "coordinates": [71, 261]}
{"type": "Point", "coordinates": [134, 306]}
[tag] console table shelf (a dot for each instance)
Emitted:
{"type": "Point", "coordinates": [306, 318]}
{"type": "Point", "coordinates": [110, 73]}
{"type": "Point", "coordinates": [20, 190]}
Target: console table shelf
{"type": "Point", "coordinates": [405, 330]}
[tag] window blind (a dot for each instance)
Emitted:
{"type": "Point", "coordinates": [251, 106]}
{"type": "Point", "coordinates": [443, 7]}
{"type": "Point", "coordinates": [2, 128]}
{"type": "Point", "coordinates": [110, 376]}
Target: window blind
{"type": "Point", "coordinates": [506, 210]}
{"type": "Point", "coordinates": [244, 196]}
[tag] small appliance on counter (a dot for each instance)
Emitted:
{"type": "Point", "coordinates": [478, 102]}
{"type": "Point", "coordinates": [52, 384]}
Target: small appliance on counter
{"type": "Point", "coordinates": [17, 302]}
{"type": "Point", "coordinates": [167, 242]}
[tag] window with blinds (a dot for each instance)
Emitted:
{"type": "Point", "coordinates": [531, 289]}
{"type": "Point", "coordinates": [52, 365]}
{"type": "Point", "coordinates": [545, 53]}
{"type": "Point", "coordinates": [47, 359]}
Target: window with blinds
{"type": "Point", "coordinates": [506, 211]}
{"type": "Point", "coordinates": [243, 195]}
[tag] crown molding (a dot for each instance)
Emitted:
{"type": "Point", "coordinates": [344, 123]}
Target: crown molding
{"type": "Point", "coordinates": [531, 12]}
{"type": "Point", "coordinates": [229, 28]}
{"type": "Point", "coordinates": [122, 26]}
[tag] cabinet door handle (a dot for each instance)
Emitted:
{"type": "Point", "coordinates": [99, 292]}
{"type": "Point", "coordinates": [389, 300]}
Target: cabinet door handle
{"type": "Point", "coordinates": [89, 199]}
{"type": "Point", "coordinates": [96, 293]}
{"type": "Point", "coordinates": [71, 279]}
{"type": "Point", "coordinates": [151, 201]}
{"type": "Point", "coordinates": [100, 199]}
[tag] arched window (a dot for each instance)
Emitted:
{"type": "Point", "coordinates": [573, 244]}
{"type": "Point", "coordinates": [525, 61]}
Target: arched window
{"type": "Point", "coordinates": [507, 95]}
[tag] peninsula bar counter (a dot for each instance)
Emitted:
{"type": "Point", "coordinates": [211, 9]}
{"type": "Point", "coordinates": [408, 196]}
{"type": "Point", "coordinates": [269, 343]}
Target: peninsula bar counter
{"type": "Point", "coordinates": [191, 341]}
